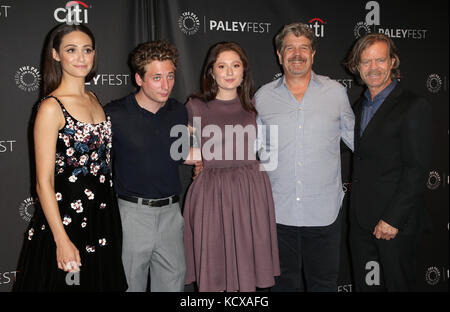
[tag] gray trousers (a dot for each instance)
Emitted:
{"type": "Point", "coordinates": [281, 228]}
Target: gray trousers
{"type": "Point", "coordinates": [153, 240]}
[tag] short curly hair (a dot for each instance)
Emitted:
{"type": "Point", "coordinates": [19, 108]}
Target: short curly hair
{"type": "Point", "coordinates": [150, 51]}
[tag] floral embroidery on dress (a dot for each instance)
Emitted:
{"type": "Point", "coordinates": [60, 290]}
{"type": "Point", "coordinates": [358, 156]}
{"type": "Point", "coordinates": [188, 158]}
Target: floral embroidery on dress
{"type": "Point", "coordinates": [67, 220]}
{"type": "Point", "coordinates": [30, 233]}
{"type": "Point", "coordinates": [83, 159]}
{"type": "Point", "coordinates": [91, 143]}
{"type": "Point", "coordinates": [102, 206]}
{"type": "Point", "coordinates": [84, 223]}
{"type": "Point", "coordinates": [77, 206]}
{"type": "Point", "coordinates": [90, 249]}
{"type": "Point", "coordinates": [70, 151]}
{"type": "Point", "coordinates": [58, 196]}
{"type": "Point", "coordinates": [89, 194]}
{"type": "Point", "coordinates": [102, 241]}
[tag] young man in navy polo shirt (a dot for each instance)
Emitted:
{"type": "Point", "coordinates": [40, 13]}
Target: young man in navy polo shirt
{"type": "Point", "coordinates": [145, 173]}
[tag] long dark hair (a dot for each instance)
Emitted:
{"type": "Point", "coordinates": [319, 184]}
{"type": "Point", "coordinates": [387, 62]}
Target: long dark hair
{"type": "Point", "coordinates": [52, 72]}
{"type": "Point", "coordinates": [209, 87]}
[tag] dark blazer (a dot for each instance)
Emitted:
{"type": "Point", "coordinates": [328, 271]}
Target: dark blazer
{"type": "Point", "coordinates": [391, 162]}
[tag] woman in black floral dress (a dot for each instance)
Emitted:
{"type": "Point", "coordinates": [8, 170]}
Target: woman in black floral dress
{"type": "Point", "coordinates": [73, 242]}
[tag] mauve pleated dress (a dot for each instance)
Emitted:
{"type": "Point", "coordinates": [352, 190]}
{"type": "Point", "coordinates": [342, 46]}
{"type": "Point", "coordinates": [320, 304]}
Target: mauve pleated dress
{"type": "Point", "coordinates": [230, 231]}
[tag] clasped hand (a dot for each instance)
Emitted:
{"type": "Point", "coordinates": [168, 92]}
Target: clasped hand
{"type": "Point", "coordinates": [384, 231]}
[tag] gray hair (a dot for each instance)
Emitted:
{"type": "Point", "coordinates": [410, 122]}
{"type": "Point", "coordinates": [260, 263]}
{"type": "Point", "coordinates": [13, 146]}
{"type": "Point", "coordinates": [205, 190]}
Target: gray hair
{"type": "Point", "coordinates": [298, 29]}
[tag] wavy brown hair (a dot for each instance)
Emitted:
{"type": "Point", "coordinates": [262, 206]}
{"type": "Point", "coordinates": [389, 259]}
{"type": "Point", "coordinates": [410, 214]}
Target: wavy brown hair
{"type": "Point", "coordinates": [147, 52]}
{"type": "Point", "coordinates": [354, 58]}
{"type": "Point", "coordinates": [209, 87]}
{"type": "Point", "coordinates": [52, 72]}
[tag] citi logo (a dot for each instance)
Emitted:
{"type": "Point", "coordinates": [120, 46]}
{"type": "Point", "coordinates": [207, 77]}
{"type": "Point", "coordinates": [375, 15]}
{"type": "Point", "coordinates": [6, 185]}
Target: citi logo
{"type": "Point", "coordinates": [74, 13]}
{"type": "Point", "coordinates": [317, 25]}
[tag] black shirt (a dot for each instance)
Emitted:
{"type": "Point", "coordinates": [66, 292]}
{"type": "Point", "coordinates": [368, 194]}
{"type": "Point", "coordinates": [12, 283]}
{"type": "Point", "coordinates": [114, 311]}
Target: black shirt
{"type": "Point", "coordinates": [142, 164]}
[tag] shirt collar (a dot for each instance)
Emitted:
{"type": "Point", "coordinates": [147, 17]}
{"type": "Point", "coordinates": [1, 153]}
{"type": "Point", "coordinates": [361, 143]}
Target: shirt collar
{"type": "Point", "coordinates": [380, 96]}
{"type": "Point", "coordinates": [167, 106]}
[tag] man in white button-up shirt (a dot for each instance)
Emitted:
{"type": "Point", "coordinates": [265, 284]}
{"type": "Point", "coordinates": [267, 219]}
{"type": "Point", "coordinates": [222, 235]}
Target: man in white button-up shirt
{"type": "Point", "coordinates": [313, 114]}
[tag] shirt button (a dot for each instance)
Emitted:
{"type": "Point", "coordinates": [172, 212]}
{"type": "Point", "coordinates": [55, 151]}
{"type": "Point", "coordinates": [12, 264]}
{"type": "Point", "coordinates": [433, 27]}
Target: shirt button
{"type": "Point", "coordinates": [298, 198]}
{"type": "Point", "coordinates": [299, 182]}
{"type": "Point", "coordinates": [299, 126]}
{"type": "Point", "coordinates": [299, 164]}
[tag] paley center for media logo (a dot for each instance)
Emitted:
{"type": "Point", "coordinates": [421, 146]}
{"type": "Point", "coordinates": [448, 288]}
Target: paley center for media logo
{"type": "Point", "coordinates": [436, 180]}
{"type": "Point", "coordinates": [27, 208]}
{"type": "Point", "coordinates": [189, 23]}
{"type": "Point", "coordinates": [28, 78]}
{"type": "Point", "coordinates": [73, 13]}
{"type": "Point", "coordinates": [434, 275]}
{"type": "Point", "coordinates": [372, 23]}
{"type": "Point", "coordinates": [435, 83]}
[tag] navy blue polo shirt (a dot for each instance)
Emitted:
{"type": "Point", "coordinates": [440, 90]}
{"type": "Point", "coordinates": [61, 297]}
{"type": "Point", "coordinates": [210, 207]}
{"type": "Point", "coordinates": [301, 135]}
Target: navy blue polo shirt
{"type": "Point", "coordinates": [142, 164]}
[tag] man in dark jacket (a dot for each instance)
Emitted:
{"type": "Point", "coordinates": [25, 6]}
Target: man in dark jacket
{"type": "Point", "coordinates": [391, 160]}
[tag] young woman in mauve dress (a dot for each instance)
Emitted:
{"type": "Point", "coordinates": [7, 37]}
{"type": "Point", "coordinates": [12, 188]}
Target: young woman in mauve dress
{"type": "Point", "coordinates": [230, 232]}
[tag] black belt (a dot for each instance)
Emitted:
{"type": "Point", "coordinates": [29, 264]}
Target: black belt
{"type": "Point", "coordinates": [151, 202]}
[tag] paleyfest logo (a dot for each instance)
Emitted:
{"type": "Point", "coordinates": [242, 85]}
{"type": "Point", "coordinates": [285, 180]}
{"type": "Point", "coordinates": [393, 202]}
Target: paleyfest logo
{"type": "Point", "coordinates": [373, 20]}
{"type": "Point", "coordinates": [361, 29]}
{"type": "Point", "coordinates": [434, 83]}
{"type": "Point", "coordinates": [74, 13]}
{"type": "Point", "coordinates": [434, 180]}
{"type": "Point", "coordinates": [4, 10]}
{"type": "Point", "coordinates": [432, 275]}
{"type": "Point", "coordinates": [28, 78]}
{"type": "Point", "coordinates": [189, 23]}
{"type": "Point", "coordinates": [27, 208]}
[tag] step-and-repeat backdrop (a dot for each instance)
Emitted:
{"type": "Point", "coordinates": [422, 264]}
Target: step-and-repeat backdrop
{"type": "Point", "coordinates": [420, 30]}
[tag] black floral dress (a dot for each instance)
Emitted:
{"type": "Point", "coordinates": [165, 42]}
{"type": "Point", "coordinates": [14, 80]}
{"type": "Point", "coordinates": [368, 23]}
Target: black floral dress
{"type": "Point", "coordinates": [84, 193]}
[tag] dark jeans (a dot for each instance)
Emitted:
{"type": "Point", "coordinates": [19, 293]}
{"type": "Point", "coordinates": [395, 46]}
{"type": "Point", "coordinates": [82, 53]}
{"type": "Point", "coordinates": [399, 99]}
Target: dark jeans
{"type": "Point", "coordinates": [309, 257]}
